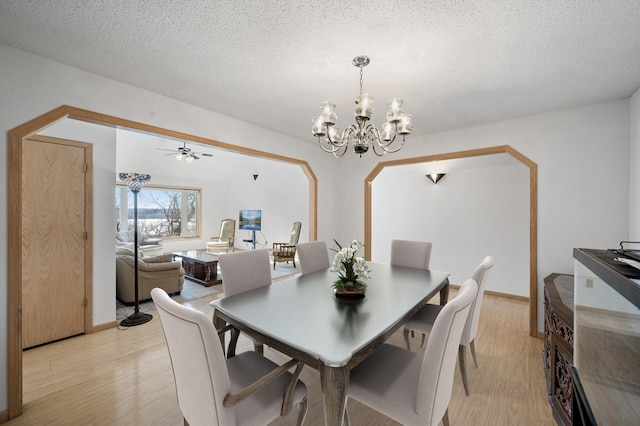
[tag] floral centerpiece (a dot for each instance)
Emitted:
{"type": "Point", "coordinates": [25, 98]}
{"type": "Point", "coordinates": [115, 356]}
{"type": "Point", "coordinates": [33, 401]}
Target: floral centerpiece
{"type": "Point", "coordinates": [351, 269]}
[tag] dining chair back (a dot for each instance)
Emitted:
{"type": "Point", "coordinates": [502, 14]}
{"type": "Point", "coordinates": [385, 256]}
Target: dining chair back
{"type": "Point", "coordinates": [439, 361]}
{"type": "Point", "coordinates": [313, 256]}
{"type": "Point", "coordinates": [413, 254]}
{"type": "Point", "coordinates": [480, 275]}
{"type": "Point", "coordinates": [409, 387]}
{"type": "Point", "coordinates": [244, 270]}
{"type": "Point", "coordinates": [198, 363]}
{"type": "Point", "coordinates": [204, 380]}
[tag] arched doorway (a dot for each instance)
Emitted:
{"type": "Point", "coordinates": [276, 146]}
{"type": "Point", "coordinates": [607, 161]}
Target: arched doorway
{"type": "Point", "coordinates": [14, 237]}
{"type": "Point", "coordinates": [533, 210]}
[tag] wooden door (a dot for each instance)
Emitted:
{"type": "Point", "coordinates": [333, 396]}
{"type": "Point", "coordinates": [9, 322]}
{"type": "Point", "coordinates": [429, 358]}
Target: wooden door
{"type": "Point", "coordinates": [53, 240]}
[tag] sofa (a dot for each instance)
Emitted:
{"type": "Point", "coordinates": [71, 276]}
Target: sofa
{"type": "Point", "coordinates": [155, 271]}
{"type": "Point", "coordinates": [147, 246]}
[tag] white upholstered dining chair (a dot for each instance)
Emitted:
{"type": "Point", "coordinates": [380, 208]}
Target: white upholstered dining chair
{"type": "Point", "coordinates": [410, 388]}
{"type": "Point", "coordinates": [413, 254]}
{"type": "Point", "coordinates": [246, 389]}
{"type": "Point", "coordinates": [243, 271]}
{"type": "Point", "coordinates": [313, 256]}
{"type": "Point", "coordinates": [422, 322]}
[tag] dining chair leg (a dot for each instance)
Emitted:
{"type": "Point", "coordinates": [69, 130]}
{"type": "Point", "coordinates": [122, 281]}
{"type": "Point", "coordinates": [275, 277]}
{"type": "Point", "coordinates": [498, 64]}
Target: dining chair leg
{"type": "Point", "coordinates": [405, 333]}
{"type": "Point", "coordinates": [302, 412]}
{"type": "Point", "coordinates": [463, 368]}
{"type": "Point", "coordinates": [345, 418]}
{"type": "Point", "coordinates": [423, 339]}
{"type": "Point", "coordinates": [473, 353]}
{"type": "Point", "coordinates": [445, 418]}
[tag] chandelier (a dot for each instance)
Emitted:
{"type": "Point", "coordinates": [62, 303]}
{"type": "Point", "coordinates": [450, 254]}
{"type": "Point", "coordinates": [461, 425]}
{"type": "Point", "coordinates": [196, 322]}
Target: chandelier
{"type": "Point", "coordinates": [361, 136]}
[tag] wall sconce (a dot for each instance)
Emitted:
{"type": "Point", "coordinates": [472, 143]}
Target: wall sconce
{"type": "Point", "coordinates": [435, 177]}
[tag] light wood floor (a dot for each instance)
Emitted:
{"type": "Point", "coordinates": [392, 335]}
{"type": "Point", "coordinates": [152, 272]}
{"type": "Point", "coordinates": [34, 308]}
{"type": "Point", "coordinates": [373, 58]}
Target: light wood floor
{"type": "Point", "coordinates": [123, 377]}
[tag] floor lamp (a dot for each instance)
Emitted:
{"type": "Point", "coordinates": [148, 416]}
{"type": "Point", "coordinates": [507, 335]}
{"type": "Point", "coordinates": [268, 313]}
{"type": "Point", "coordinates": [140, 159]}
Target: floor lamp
{"type": "Point", "coordinates": [135, 181]}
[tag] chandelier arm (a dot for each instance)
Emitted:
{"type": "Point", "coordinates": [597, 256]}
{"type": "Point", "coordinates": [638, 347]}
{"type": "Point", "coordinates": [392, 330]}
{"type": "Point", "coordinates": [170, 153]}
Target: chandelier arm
{"type": "Point", "coordinates": [339, 143]}
{"type": "Point", "coordinates": [339, 154]}
{"type": "Point", "coordinates": [374, 134]}
{"type": "Point", "coordinates": [385, 147]}
{"type": "Point", "coordinates": [329, 150]}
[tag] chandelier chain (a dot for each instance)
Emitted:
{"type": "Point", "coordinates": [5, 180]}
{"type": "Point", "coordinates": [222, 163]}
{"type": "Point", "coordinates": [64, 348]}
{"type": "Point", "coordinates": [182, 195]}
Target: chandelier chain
{"type": "Point", "coordinates": [361, 73]}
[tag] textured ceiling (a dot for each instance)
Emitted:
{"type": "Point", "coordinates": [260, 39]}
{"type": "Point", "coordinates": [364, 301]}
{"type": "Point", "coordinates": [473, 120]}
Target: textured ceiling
{"type": "Point", "coordinates": [272, 62]}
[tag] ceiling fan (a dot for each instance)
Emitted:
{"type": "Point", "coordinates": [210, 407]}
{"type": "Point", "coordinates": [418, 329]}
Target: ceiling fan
{"type": "Point", "coordinates": [185, 152]}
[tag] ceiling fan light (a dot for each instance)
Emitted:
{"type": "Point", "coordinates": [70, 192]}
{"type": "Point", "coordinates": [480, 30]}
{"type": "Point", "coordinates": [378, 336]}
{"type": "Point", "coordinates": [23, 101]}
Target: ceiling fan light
{"type": "Point", "coordinates": [189, 159]}
{"type": "Point", "coordinates": [179, 156]}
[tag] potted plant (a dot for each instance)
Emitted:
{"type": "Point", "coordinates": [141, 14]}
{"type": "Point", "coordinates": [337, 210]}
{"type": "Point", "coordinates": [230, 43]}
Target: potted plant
{"type": "Point", "coordinates": [351, 269]}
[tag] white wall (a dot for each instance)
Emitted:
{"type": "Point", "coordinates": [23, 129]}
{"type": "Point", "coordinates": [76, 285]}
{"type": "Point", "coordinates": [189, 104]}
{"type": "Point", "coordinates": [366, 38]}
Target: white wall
{"type": "Point", "coordinates": [572, 148]}
{"type": "Point", "coordinates": [469, 214]}
{"type": "Point", "coordinates": [634, 177]}
{"type": "Point", "coordinates": [583, 178]}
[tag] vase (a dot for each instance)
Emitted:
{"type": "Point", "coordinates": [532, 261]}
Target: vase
{"type": "Point", "coordinates": [350, 294]}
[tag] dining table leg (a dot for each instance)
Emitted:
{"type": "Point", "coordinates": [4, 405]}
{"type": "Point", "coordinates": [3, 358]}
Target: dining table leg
{"type": "Point", "coordinates": [334, 382]}
{"type": "Point", "coordinates": [219, 323]}
{"type": "Point", "coordinates": [444, 293]}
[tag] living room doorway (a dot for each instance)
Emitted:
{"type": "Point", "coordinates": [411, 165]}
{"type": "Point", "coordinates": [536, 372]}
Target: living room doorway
{"type": "Point", "coordinates": [15, 232]}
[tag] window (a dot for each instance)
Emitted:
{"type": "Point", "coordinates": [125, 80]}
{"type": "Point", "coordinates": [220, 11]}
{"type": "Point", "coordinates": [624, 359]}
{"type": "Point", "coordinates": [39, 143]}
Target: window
{"type": "Point", "coordinates": [163, 212]}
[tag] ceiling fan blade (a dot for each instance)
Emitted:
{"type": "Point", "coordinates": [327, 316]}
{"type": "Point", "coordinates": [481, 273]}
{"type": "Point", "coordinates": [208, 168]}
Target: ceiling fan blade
{"type": "Point", "coordinates": [204, 154]}
{"type": "Point", "coordinates": [170, 150]}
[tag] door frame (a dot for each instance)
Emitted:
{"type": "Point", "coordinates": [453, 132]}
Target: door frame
{"type": "Point", "coordinates": [14, 234]}
{"type": "Point", "coordinates": [14, 255]}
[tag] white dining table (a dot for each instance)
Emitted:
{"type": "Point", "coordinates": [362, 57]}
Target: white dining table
{"type": "Point", "coordinates": [302, 318]}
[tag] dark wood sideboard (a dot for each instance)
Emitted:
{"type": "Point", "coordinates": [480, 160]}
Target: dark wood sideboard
{"type": "Point", "coordinates": [558, 344]}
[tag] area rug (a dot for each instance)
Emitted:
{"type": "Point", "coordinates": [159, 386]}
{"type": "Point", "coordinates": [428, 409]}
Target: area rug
{"type": "Point", "coordinates": [192, 290]}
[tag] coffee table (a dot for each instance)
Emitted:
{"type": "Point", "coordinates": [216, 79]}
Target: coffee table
{"type": "Point", "coordinates": [199, 266]}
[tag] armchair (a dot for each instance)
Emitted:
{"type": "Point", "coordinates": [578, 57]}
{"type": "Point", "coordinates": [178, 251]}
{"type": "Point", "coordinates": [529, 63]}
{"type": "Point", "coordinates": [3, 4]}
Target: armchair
{"type": "Point", "coordinates": [158, 271]}
{"type": "Point", "coordinates": [226, 239]}
{"type": "Point", "coordinates": [285, 252]}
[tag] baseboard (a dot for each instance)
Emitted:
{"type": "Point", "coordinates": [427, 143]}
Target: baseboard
{"type": "Point", "coordinates": [104, 326]}
{"type": "Point", "coordinates": [4, 416]}
{"type": "Point", "coordinates": [498, 294]}
{"type": "Point", "coordinates": [539, 334]}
